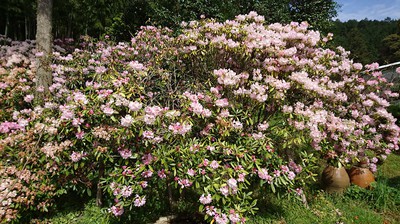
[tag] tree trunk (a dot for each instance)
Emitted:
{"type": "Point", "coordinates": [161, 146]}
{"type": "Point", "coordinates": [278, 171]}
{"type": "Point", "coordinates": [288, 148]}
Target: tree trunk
{"type": "Point", "coordinates": [99, 193]}
{"type": "Point", "coordinates": [26, 27]}
{"type": "Point", "coordinates": [44, 41]}
{"type": "Point", "coordinates": [7, 24]}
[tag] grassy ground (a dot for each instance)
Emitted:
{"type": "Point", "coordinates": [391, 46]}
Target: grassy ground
{"type": "Point", "coordinates": [379, 205]}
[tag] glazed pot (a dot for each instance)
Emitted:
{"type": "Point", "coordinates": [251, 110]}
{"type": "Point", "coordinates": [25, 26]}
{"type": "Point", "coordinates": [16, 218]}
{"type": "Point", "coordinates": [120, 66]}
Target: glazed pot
{"type": "Point", "coordinates": [361, 176]}
{"type": "Point", "coordinates": [334, 179]}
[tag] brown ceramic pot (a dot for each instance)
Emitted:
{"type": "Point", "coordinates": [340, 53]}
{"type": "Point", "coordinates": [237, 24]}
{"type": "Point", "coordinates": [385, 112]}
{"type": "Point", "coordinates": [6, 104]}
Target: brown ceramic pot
{"type": "Point", "coordinates": [361, 176]}
{"type": "Point", "coordinates": [335, 180]}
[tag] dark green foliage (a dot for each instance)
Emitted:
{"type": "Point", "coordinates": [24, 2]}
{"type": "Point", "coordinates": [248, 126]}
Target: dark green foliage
{"type": "Point", "coordinates": [391, 47]}
{"type": "Point", "coordinates": [368, 40]}
{"type": "Point", "coordinates": [121, 18]}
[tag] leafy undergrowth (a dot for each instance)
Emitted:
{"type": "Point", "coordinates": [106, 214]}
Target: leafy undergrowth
{"type": "Point", "coordinates": [356, 205]}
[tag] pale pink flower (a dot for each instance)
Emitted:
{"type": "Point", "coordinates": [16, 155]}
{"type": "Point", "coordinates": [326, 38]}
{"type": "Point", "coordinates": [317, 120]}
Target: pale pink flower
{"type": "Point", "coordinates": [221, 219]}
{"type": "Point", "coordinates": [79, 135]}
{"type": "Point", "coordinates": [184, 183]}
{"type": "Point", "coordinates": [222, 103]}
{"type": "Point", "coordinates": [178, 128]}
{"type": "Point", "coordinates": [147, 174]}
{"type": "Point", "coordinates": [139, 201]}
{"type": "Point", "coordinates": [29, 98]}
{"type": "Point", "coordinates": [237, 125]}
{"type": "Point", "coordinates": [148, 134]}
{"type": "Point", "coordinates": [191, 172]}
{"type": "Point", "coordinates": [205, 199]}
{"type": "Point", "coordinates": [117, 211]}
{"type": "Point", "coordinates": [234, 217]}
{"type": "Point", "coordinates": [127, 121]}
{"type": "Point", "coordinates": [291, 175]}
{"type": "Point", "coordinates": [107, 110]}
{"type": "Point", "coordinates": [263, 126]}
{"type": "Point", "coordinates": [143, 184]}
{"type": "Point", "coordinates": [80, 98]}
{"type": "Point", "coordinates": [76, 156]}
{"type": "Point", "coordinates": [135, 65]}
{"type": "Point", "coordinates": [224, 190]}
{"type": "Point", "coordinates": [161, 174]}
{"type": "Point", "coordinates": [214, 164]}
{"type": "Point", "coordinates": [125, 153]}
{"type": "Point", "coordinates": [149, 119]}
{"type": "Point", "coordinates": [232, 183]}
{"type": "Point", "coordinates": [126, 191]}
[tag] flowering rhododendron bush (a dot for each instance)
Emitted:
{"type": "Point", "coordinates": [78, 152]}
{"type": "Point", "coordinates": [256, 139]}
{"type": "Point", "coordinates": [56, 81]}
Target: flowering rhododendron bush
{"type": "Point", "coordinates": [224, 110]}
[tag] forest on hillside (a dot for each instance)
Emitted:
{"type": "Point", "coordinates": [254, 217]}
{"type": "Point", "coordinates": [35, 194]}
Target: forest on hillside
{"type": "Point", "coordinates": [367, 40]}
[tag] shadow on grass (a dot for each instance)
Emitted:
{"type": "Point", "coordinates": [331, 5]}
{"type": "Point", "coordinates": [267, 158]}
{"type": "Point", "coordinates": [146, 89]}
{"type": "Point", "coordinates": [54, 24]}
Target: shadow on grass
{"type": "Point", "coordinates": [394, 182]}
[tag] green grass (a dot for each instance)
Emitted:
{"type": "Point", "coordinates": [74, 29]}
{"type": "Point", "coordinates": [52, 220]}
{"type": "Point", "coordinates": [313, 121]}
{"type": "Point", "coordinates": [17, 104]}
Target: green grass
{"type": "Point", "coordinates": [356, 205]}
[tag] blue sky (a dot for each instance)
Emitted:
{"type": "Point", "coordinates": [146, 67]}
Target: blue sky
{"type": "Point", "coordinates": [371, 9]}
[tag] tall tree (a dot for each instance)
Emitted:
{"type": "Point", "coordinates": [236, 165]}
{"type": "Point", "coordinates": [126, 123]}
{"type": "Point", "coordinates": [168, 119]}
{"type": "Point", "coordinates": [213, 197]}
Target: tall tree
{"type": "Point", "coordinates": [44, 43]}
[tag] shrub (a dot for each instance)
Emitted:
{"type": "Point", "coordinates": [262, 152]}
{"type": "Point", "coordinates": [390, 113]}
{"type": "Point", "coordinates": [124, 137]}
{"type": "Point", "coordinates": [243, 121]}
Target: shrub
{"type": "Point", "coordinates": [223, 110]}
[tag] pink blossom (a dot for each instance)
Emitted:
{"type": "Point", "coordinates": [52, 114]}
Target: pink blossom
{"type": "Point", "coordinates": [224, 190]}
{"type": "Point", "coordinates": [147, 174]}
{"type": "Point", "coordinates": [107, 110]}
{"type": "Point", "coordinates": [149, 119]}
{"type": "Point", "coordinates": [234, 217]}
{"type": "Point", "coordinates": [77, 121]}
{"type": "Point", "coordinates": [224, 113]}
{"type": "Point", "coordinates": [161, 174]}
{"type": "Point", "coordinates": [214, 164]}
{"type": "Point", "coordinates": [184, 183]}
{"type": "Point", "coordinates": [79, 135]}
{"type": "Point", "coordinates": [147, 158]}
{"type": "Point", "coordinates": [100, 69]}
{"type": "Point", "coordinates": [258, 136]}
{"type": "Point", "coordinates": [222, 103]}
{"type": "Point", "coordinates": [125, 153]}
{"type": "Point", "coordinates": [117, 211]}
{"type": "Point", "coordinates": [28, 98]}
{"type": "Point", "coordinates": [127, 121]}
{"type": "Point", "coordinates": [191, 172]}
{"type": "Point", "coordinates": [76, 156]}
{"type": "Point", "coordinates": [7, 127]}
{"type": "Point", "coordinates": [263, 126]}
{"type": "Point", "coordinates": [241, 177]}
{"type": "Point", "coordinates": [154, 111]}
{"type": "Point", "coordinates": [210, 210]}
{"type": "Point", "coordinates": [291, 175]}
{"type": "Point", "coordinates": [178, 128]}
{"type": "Point", "coordinates": [232, 183]}
{"type": "Point", "coordinates": [148, 134]}
{"type": "Point", "coordinates": [126, 191]}
{"type": "Point", "coordinates": [205, 199]}
{"type": "Point", "coordinates": [143, 184]}
{"type": "Point", "coordinates": [221, 219]}
{"type": "Point", "coordinates": [80, 98]}
{"type": "Point", "coordinates": [263, 173]}
{"type": "Point", "coordinates": [135, 65]}
{"type": "Point", "coordinates": [139, 201]}
{"type": "Point", "coordinates": [237, 125]}
{"type": "Point", "coordinates": [134, 106]}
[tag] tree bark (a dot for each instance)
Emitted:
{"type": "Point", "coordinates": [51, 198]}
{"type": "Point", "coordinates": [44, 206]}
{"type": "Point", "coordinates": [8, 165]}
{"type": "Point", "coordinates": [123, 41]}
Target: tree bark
{"type": "Point", "coordinates": [99, 193]}
{"type": "Point", "coordinates": [7, 24]}
{"type": "Point", "coordinates": [44, 44]}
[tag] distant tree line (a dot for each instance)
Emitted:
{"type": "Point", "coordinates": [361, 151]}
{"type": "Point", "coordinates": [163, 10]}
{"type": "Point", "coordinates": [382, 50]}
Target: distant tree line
{"type": "Point", "coordinates": [121, 18]}
{"type": "Point", "coordinates": [369, 41]}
